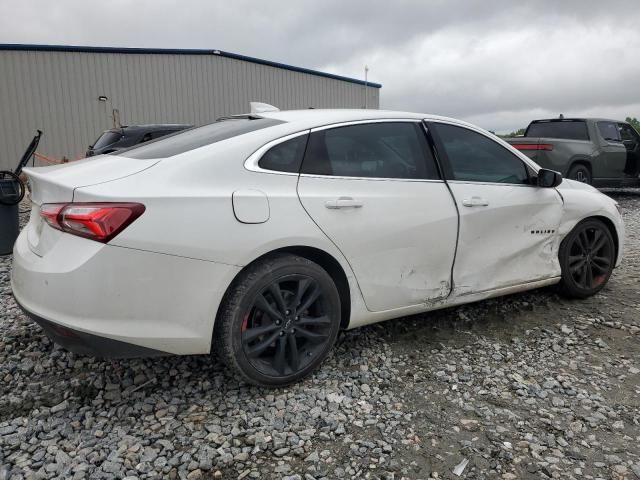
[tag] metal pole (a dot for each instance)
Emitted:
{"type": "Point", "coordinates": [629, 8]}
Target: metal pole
{"type": "Point", "coordinates": [366, 72]}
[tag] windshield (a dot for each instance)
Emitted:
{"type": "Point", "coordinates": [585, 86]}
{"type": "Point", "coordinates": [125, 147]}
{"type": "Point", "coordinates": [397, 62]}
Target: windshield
{"type": "Point", "coordinates": [197, 137]}
{"type": "Point", "coordinates": [107, 138]}
{"type": "Point", "coordinates": [567, 129]}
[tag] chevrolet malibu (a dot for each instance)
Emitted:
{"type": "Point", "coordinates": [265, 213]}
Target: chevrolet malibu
{"type": "Point", "coordinates": [261, 236]}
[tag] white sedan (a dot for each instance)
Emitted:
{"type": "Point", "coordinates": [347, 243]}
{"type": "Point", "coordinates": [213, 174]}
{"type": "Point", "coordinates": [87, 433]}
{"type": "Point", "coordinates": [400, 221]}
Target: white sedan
{"type": "Point", "coordinates": [260, 236]}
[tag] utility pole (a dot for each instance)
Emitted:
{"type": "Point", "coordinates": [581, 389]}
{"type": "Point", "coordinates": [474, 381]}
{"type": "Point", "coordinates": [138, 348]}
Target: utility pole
{"type": "Point", "coordinates": [366, 76]}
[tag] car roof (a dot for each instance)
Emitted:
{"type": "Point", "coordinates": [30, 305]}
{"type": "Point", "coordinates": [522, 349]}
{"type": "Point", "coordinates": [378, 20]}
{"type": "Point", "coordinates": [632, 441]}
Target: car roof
{"type": "Point", "coordinates": [336, 114]}
{"type": "Point", "coordinates": [582, 119]}
{"type": "Point", "coordinates": [320, 117]}
{"type": "Point", "coordinates": [288, 122]}
{"type": "Point", "coordinates": [312, 117]}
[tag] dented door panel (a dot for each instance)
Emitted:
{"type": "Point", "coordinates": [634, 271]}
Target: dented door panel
{"type": "Point", "coordinates": [400, 241]}
{"type": "Point", "coordinates": [509, 235]}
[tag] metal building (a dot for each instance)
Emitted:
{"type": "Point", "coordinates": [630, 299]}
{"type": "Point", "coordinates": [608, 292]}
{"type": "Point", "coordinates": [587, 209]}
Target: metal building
{"type": "Point", "coordinates": [74, 93]}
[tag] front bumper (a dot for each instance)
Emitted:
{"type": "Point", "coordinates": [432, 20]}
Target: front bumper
{"type": "Point", "coordinates": [92, 298]}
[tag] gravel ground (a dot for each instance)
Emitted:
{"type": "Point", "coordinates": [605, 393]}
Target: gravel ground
{"type": "Point", "coordinates": [528, 386]}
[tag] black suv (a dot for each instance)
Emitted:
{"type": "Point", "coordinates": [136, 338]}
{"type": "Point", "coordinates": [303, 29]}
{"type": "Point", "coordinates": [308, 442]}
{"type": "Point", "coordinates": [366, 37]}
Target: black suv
{"type": "Point", "coordinates": [124, 137]}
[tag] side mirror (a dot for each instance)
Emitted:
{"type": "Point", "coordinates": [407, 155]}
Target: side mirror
{"type": "Point", "coordinates": [549, 178]}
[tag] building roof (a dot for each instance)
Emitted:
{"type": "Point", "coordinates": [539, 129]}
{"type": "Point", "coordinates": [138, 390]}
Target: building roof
{"type": "Point", "coordinates": [179, 51]}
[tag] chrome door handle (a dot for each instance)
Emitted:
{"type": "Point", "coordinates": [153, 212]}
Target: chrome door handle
{"type": "Point", "coordinates": [475, 202]}
{"type": "Point", "coordinates": [343, 202]}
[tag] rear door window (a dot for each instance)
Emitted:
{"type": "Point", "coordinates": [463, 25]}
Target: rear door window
{"type": "Point", "coordinates": [372, 150]}
{"type": "Point", "coordinates": [609, 131]}
{"type": "Point", "coordinates": [474, 157]}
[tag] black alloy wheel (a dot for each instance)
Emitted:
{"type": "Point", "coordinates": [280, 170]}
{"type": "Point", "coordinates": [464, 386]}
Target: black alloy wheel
{"type": "Point", "coordinates": [587, 257]}
{"type": "Point", "coordinates": [287, 326]}
{"type": "Point", "coordinates": [279, 321]}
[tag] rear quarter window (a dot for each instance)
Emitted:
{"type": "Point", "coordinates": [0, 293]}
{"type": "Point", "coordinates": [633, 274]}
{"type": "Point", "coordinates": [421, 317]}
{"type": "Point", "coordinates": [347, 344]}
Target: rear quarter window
{"type": "Point", "coordinates": [286, 156]}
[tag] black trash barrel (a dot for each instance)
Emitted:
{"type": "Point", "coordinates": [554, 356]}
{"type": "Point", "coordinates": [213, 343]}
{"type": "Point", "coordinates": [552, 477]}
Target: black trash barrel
{"type": "Point", "coordinates": [11, 192]}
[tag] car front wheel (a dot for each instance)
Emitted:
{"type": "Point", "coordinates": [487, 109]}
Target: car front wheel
{"type": "Point", "coordinates": [587, 258]}
{"type": "Point", "coordinates": [278, 321]}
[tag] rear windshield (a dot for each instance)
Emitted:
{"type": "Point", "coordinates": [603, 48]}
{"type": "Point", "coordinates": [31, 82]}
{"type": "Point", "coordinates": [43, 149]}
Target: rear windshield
{"type": "Point", "coordinates": [570, 130]}
{"type": "Point", "coordinates": [191, 139]}
{"type": "Point", "coordinates": [107, 138]}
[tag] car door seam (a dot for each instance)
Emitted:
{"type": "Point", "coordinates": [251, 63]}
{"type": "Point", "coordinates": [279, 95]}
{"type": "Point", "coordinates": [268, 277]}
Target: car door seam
{"type": "Point", "coordinates": [333, 243]}
{"type": "Point", "coordinates": [441, 168]}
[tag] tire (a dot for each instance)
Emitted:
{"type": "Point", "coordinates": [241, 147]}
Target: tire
{"type": "Point", "coordinates": [278, 321]}
{"type": "Point", "coordinates": [587, 258]}
{"type": "Point", "coordinates": [580, 173]}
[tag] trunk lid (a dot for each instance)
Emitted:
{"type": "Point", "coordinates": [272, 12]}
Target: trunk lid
{"type": "Point", "coordinates": [57, 184]}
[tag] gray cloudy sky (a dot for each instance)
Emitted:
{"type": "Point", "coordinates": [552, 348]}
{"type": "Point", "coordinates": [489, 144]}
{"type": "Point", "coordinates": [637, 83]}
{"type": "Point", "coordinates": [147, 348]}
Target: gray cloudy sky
{"type": "Point", "coordinates": [494, 63]}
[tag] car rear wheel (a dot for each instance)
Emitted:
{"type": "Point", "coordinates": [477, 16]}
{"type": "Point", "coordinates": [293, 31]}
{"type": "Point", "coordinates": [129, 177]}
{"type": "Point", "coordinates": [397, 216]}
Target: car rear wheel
{"type": "Point", "coordinates": [580, 173]}
{"type": "Point", "coordinates": [587, 258]}
{"type": "Point", "coordinates": [279, 321]}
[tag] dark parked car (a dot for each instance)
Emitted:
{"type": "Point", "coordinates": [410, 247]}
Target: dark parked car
{"type": "Point", "coordinates": [124, 137]}
{"type": "Point", "coordinates": [601, 152]}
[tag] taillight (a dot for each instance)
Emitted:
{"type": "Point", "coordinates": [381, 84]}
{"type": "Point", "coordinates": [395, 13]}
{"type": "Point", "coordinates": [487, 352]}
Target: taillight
{"type": "Point", "coordinates": [96, 221]}
{"type": "Point", "coordinates": [532, 146]}
{"type": "Point", "coordinates": [49, 213]}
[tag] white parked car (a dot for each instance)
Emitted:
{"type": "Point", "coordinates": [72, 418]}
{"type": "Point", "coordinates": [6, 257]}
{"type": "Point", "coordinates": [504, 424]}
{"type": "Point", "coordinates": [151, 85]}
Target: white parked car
{"type": "Point", "coordinates": [262, 235]}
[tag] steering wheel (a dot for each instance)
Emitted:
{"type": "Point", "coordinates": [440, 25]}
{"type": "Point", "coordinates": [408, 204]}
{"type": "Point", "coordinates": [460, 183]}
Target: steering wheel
{"type": "Point", "coordinates": [10, 198]}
